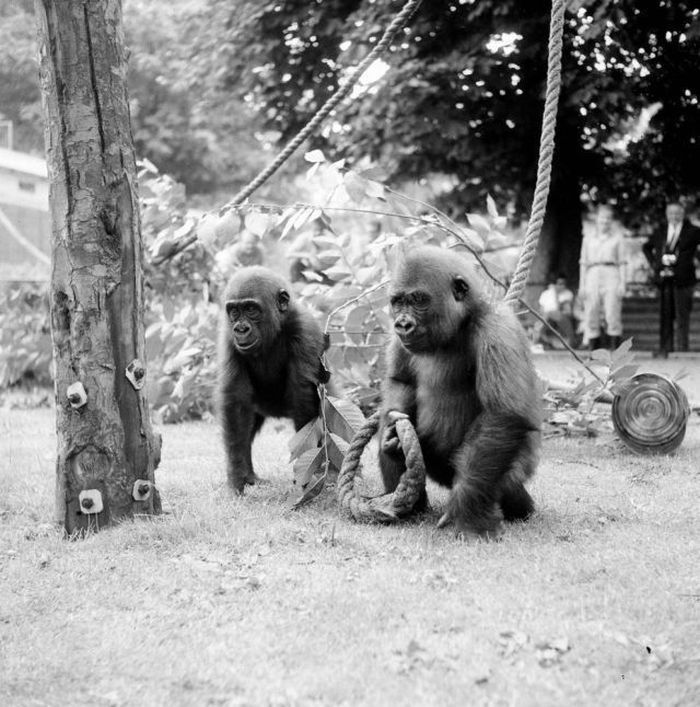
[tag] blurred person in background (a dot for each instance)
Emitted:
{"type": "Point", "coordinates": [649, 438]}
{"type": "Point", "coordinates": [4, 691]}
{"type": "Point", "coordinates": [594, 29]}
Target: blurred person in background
{"type": "Point", "coordinates": [671, 253]}
{"type": "Point", "coordinates": [557, 307]}
{"type": "Point", "coordinates": [602, 280]}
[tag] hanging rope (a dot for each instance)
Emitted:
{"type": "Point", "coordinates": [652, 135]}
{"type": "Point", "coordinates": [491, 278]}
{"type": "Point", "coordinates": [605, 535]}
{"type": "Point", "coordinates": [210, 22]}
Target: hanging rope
{"type": "Point", "coordinates": [544, 161]}
{"type": "Point", "coordinates": [391, 31]}
{"type": "Point", "coordinates": [408, 10]}
{"type": "Point", "coordinates": [392, 506]}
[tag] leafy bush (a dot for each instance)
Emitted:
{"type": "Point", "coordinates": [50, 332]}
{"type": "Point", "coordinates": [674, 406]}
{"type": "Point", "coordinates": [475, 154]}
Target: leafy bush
{"type": "Point", "coordinates": [25, 340]}
{"type": "Point", "coordinates": [351, 260]}
{"type": "Point", "coordinates": [180, 314]}
{"type": "Point", "coordinates": [343, 280]}
{"type": "Point", "coordinates": [181, 357]}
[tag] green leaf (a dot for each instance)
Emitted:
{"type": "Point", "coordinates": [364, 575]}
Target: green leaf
{"type": "Point", "coordinates": [315, 156]}
{"type": "Point", "coordinates": [306, 438]}
{"type": "Point", "coordinates": [479, 224]}
{"type": "Point", "coordinates": [289, 225]}
{"type": "Point", "coordinates": [601, 355]}
{"type": "Point", "coordinates": [257, 222]}
{"type": "Point", "coordinates": [355, 322]}
{"type": "Point", "coordinates": [368, 276]}
{"type": "Point", "coordinates": [329, 243]}
{"type": "Point", "coordinates": [343, 418]}
{"type": "Point", "coordinates": [355, 185]}
{"type": "Point", "coordinates": [311, 492]}
{"type": "Point", "coordinates": [376, 190]}
{"type": "Point", "coordinates": [307, 465]}
{"type": "Point", "coordinates": [337, 273]}
{"type": "Point", "coordinates": [311, 172]}
{"type": "Point", "coordinates": [622, 352]}
{"type": "Point", "coordinates": [337, 448]}
{"type": "Point", "coordinates": [623, 373]}
{"type": "Point", "coordinates": [491, 207]}
{"type": "Point", "coordinates": [327, 259]}
{"type": "Point", "coordinates": [301, 218]}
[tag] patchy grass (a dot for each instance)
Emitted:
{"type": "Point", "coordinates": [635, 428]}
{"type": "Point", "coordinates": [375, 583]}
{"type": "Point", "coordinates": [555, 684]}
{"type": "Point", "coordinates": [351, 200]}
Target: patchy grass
{"type": "Point", "coordinates": [228, 601]}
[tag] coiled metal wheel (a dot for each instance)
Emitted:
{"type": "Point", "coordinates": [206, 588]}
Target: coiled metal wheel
{"type": "Point", "coordinates": [650, 414]}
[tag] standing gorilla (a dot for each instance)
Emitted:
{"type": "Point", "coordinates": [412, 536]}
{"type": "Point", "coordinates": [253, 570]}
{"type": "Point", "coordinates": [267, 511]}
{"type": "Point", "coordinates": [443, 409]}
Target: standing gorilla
{"type": "Point", "coordinates": [460, 369]}
{"type": "Point", "coordinates": [269, 364]}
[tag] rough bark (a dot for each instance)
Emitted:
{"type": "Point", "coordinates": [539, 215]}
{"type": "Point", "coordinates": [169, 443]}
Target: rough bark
{"type": "Point", "coordinates": [96, 291]}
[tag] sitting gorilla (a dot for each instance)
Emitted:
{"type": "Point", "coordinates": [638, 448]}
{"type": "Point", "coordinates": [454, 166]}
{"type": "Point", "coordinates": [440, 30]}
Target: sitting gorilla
{"type": "Point", "coordinates": [460, 369]}
{"type": "Point", "coordinates": [269, 364]}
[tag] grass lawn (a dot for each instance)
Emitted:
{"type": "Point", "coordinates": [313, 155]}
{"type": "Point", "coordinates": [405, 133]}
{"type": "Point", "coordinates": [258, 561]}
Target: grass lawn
{"type": "Point", "coordinates": [228, 601]}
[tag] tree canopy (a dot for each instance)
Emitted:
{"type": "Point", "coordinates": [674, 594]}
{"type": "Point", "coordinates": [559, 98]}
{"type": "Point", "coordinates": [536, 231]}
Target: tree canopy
{"type": "Point", "coordinates": [202, 137]}
{"type": "Point", "coordinates": [214, 83]}
{"type": "Point", "coordinates": [205, 139]}
{"type": "Point", "coordinates": [465, 90]}
{"type": "Point", "coordinates": [20, 100]}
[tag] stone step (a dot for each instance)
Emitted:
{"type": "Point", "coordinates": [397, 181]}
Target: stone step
{"type": "Point", "coordinates": [640, 320]}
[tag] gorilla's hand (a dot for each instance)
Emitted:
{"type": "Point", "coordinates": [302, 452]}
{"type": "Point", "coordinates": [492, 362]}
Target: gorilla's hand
{"type": "Point", "coordinates": [389, 442]}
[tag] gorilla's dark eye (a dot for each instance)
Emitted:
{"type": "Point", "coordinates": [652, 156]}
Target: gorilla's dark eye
{"type": "Point", "coordinates": [420, 300]}
{"type": "Point", "coordinates": [396, 300]}
{"type": "Point", "coordinates": [251, 311]}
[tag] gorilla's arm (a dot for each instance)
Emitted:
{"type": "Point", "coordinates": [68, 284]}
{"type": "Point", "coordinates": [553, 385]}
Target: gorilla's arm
{"type": "Point", "coordinates": [501, 436]}
{"type": "Point", "coordinates": [398, 398]}
{"type": "Point", "coordinates": [399, 390]}
{"type": "Point", "coordinates": [238, 423]}
{"type": "Point", "coordinates": [305, 346]}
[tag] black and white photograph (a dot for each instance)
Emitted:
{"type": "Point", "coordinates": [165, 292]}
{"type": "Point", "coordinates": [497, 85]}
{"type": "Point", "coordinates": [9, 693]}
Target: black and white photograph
{"type": "Point", "coordinates": [349, 353]}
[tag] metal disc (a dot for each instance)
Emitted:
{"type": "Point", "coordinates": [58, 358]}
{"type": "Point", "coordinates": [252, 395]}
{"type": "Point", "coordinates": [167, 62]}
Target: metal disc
{"type": "Point", "coordinates": [650, 413]}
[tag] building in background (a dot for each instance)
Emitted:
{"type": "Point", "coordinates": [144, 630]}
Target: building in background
{"type": "Point", "coordinates": [24, 217]}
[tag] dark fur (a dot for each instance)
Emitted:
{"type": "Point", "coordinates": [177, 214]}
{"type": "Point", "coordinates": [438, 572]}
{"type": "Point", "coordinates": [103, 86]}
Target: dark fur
{"type": "Point", "coordinates": [461, 370]}
{"type": "Point", "coordinates": [269, 365]}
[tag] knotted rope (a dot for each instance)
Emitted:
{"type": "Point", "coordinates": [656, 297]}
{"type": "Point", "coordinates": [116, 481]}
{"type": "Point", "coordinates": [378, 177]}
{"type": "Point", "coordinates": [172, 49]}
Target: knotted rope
{"type": "Point", "coordinates": [391, 506]}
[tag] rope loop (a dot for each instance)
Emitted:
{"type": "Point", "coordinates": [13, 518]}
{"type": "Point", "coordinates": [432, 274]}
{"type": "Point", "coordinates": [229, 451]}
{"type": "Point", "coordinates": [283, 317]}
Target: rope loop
{"type": "Point", "coordinates": [391, 506]}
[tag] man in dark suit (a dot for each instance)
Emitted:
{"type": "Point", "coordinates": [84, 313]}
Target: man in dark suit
{"type": "Point", "coordinates": [671, 253]}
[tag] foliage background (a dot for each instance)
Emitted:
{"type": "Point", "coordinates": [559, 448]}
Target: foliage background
{"type": "Point", "coordinates": [216, 86]}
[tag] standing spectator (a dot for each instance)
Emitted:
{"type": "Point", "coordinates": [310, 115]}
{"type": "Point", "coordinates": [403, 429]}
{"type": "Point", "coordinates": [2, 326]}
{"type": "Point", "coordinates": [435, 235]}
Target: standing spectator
{"type": "Point", "coordinates": [602, 280]}
{"type": "Point", "coordinates": [557, 307]}
{"type": "Point", "coordinates": [671, 253]}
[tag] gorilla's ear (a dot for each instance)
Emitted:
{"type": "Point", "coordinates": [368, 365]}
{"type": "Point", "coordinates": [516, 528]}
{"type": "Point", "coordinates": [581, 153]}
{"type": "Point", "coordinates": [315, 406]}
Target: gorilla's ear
{"type": "Point", "coordinates": [283, 300]}
{"type": "Point", "coordinates": [460, 288]}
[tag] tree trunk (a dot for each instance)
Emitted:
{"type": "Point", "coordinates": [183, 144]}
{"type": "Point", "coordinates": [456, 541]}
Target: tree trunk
{"type": "Point", "coordinates": [559, 245]}
{"type": "Point", "coordinates": [107, 449]}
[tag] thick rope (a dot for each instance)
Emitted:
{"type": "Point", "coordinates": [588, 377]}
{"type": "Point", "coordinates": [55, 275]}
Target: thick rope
{"type": "Point", "coordinates": [544, 163]}
{"type": "Point", "coordinates": [391, 506]}
{"type": "Point", "coordinates": [391, 31]}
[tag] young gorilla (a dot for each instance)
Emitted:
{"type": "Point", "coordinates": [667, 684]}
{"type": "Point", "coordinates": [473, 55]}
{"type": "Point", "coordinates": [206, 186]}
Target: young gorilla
{"type": "Point", "coordinates": [269, 364]}
{"type": "Point", "coordinates": [460, 369]}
